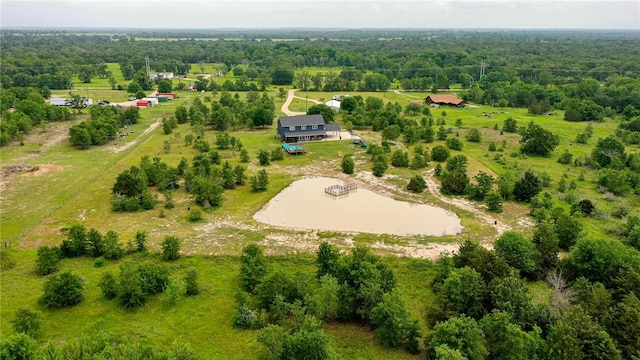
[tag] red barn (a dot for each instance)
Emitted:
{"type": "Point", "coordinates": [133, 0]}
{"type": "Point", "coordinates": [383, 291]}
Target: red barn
{"type": "Point", "coordinates": [445, 100]}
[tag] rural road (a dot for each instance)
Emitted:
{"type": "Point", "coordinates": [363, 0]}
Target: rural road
{"type": "Point", "coordinates": [290, 96]}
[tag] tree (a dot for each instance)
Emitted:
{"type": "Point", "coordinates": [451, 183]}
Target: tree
{"type": "Point", "coordinates": [538, 141]}
{"type": "Point", "coordinates": [327, 113]}
{"type": "Point", "coordinates": [568, 229]}
{"type": "Point", "coordinates": [463, 292]}
{"type": "Point", "coordinates": [263, 157]}
{"type": "Point", "coordinates": [400, 158]}
{"type": "Point", "coordinates": [347, 164]}
{"type": "Point", "coordinates": [182, 114]}
{"type": "Point", "coordinates": [510, 294]}
{"type": "Point", "coordinates": [76, 101]}
{"type": "Point", "coordinates": [455, 182]}
{"type": "Point", "coordinates": [417, 184]}
{"type": "Point", "coordinates": [165, 86]}
{"type": "Point", "coordinates": [141, 241]}
{"type": "Point", "coordinates": [413, 108]}
{"type": "Point", "coordinates": [62, 290]}
{"type": "Point", "coordinates": [327, 260]}
{"type": "Point", "coordinates": [260, 181]}
{"type": "Point", "coordinates": [191, 282]}
{"type": "Point", "coordinates": [507, 341]}
{"type": "Point", "coordinates": [133, 87]}
{"type": "Point", "coordinates": [113, 249]}
{"type": "Point", "coordinates": [109, 286]}
{"type": "Point", "coordinates": [473, 135]}
{"type": "Point", "coordinates": [27, 322]}
{"type": "Point", "coordinates": [460, 333]}
{"type": "Point", "coordinates": [391, 132]}
{"type": "Point", "coordinates": [379, 165]}
{"type": "Point", "coordinates": [252, 267]}
{"type": "Point", "coordinates": [510, 125]}
{"type": "Point", "coordinates": [439, 153]}
{"type": "Point", "coordinates": [607, 150]}
{"type": "Point", "coordinates": [131, 292]}
{"type": "Point", "coordinates": [20, 347]}
{"type": "Point", "coordinates": [494, 201]}
{"type": "Point", "coordinates": [48, 260]}
{"type": "Point", "coordinates": [518, 251]}
{"type": "Point", "coordinates": [282, 93]}
{"type": "Point", "coordinates": [262, 116]}
{"type": "Point", "coordinates": [392, 324]}
{"type": "Point", "coordinates": [170, 248]}
{"type": "Point", "coordinates": [348, 104]}
{"type": "Point", "coordinates": [207, 192]}
{"type": "Point", "coordinates": [282, 76]}
{"type": "Point", "coordinates": [545, 240]}
{"type": "Point", "coordinates": [527, 187]}
{"type": "Point", "coordinates": [325, 301]}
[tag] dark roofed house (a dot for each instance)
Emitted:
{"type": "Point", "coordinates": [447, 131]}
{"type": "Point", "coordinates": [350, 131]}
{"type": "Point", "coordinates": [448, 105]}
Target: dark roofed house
{"type": "Point", "coordinates": [301, 128]}
{"type": "Point", "coordinates": [445, 100]}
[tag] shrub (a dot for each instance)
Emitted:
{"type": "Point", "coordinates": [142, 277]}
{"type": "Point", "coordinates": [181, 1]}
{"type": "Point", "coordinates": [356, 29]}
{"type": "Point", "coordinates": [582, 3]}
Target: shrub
{"type": "Point", "coordinates": [48, 260]}
{"type": "Point", "coordinates": [191, 282]}
{"type": "Point", "coordinates": [27, 322]}
{"type": "Point", "coordinates": [141, 241]}
{"type": "Point", "coordinates": [586, 207]}
{"type": "Point", "coordinates": [109, 286]}
{"type": "Point", "coordinates": [99, 262]}
{"type": "Point", "coordinates": [400, 159]}
{"type": "Point", "coordinates": [172, 293]}
{"type": "Point", "coordinates": [566, 157]}
{"type": "Point", "coordinates": [19, 346]}
{"type": "Point", "coordinates": [417, 184]}
{"type": "Point", "coordinates": [494, 202]}
{"type": "Point", "coordinates": [195, 215]}
{"type": "Point", "coordinates": [347, 164]}
{"type": "Point", "coordinates": [260, 181]}
{"type": "Point", "coordinates": [277, 154]}
{"type": "Point", "coordinates": [439, 153]}
{"type": "Point", "coordinates": [379, 165]}
{"type": "Point", "coordinates": [454, 144]}
{"type": "Point", "coordinates": [62, 290]}
{"type": "Point", "coordinates": [474, 135]}
{"type": "Point", "coordinates": [264, 158]}
{"type": "Point", "coordinates": [171, 248]}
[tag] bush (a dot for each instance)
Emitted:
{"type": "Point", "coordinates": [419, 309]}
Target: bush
{"type": "Point", "coordinates": [27, 322]}
{"type": "Point", "coordinates": [171, 248]}
{"type": "Point", "coordinates": [527, 187]}
{"type": "Point", "coordinates": [173, 292]}
{"type": "Point", "coordinates": [417, 184]}
{"type": "Point", "coordinates": [48, 260]}
{"type": "Point", "coordinates": [195, 215]}
{"type": "Point", "coordinates": [566, 157]}
{"type": "Point", "coordinates": [62, 290]}
{"type": "Point", "coordinates": [439, 153]}
{"type": "Point", "coordinates": [454, 144]}
{"type": "Point", "coordinates": [99, 262]}
{"type": "Point", "coordinates": [474, 135]}
{"type": "Point", "coordinates": [379, 165]}
{"type": "Point", "coordinates": [260, 181]}
{"type": "Point", "coordinates": [494, 202]}
{"type": "Point", "coordinates": [277, 154]}
{"type": "Point", "coordinates": [586, 207]}
{"type": "Point", "coordinates": [347, 165]}
{"type": "Point", "coordinates": [264, 158]}
{"type": "Point", "coordinates": [19, 347]}
{"type": "Point", "coordinates": [400, 159]}
{"type": "Point", "coordinates": [109, 286]}
{"type": "Point", "coordinates": [191, 283]}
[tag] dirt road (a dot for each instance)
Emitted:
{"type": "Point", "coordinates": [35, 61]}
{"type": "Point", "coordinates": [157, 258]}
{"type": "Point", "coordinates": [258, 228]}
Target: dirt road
{"type": "Point", "coordinates": [290, 96]}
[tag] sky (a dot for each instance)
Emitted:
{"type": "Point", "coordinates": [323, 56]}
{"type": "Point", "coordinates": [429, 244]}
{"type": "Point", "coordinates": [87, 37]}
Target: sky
{"type": "Point", "coordinates": [429, 14]}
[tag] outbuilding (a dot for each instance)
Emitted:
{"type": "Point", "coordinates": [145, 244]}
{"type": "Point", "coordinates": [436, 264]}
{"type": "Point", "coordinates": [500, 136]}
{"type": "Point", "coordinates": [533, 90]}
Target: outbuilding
{"type": "Point", "coordinates": [445, 100]}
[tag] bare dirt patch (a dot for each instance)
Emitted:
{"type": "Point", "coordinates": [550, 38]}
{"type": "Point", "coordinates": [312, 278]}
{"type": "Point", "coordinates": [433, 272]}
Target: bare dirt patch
{"type": "Point", "coordinates": [42, 169]}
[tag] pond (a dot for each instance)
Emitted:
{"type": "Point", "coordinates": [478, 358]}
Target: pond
{"type": "Point", "coordinates": [305, 205]}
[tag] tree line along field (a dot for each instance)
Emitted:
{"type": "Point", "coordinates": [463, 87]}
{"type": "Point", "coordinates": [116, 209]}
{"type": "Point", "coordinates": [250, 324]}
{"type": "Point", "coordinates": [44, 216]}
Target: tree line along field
{"type": "Point", "coordinates": [64, 185]}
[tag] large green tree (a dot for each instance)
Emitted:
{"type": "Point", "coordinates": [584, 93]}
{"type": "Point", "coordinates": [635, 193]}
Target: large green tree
{"type": "Point", "coordinates": [538, 141]}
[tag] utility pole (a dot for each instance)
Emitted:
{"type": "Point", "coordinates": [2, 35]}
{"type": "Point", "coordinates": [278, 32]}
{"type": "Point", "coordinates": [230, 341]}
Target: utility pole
{"type": "Point", "coordinates": [146, 59]}
{"type": "Point", "coordinates": [481, 69]}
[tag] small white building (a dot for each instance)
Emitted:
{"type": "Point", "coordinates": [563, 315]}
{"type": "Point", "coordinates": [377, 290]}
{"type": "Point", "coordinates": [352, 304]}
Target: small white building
{"type": "Point", "coordinates": [162, 75]}
{"type": "Point", "coordinates": [153, 101]}
{"type": "Point", "coordinates": [64, 102]}
{"type": "Point", "coordinates": [334, 105]}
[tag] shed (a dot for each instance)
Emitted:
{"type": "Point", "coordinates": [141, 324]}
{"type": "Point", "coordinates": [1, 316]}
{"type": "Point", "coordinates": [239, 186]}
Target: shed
{"type": "Point", "coordinates": [142, 103]}
{"type": "Point", "coordinates": [152, 100]}
{"type": "Point", "coordinates": [334, 105]}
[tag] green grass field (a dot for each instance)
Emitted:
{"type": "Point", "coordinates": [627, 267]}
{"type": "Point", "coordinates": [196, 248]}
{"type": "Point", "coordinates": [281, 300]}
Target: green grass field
{"type": "Point", "coordinates": [203, 321]}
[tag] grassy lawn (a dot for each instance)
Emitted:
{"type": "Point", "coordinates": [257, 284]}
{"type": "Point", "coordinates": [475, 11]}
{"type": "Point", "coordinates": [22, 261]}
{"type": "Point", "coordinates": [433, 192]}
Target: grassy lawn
{"type": "Point", "coordinates": [203, 321]}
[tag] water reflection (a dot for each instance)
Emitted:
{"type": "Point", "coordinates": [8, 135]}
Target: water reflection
{"type": "Point", "coordinates": [306, 205]}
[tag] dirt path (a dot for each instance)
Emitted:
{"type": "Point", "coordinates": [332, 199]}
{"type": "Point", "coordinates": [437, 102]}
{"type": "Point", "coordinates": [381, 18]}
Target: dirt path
{"type": "Point", "coordinates": [463, 204]}
{"type": "Point", "coordinates": [290, 96]}
{"type": "Point", "coordinates": [119, 149]}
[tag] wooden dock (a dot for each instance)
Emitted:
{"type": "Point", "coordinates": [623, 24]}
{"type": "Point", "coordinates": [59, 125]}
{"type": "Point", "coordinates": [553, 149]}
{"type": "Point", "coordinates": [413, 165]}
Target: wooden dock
{"type": "Point", "coordinates": [341, 190]}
